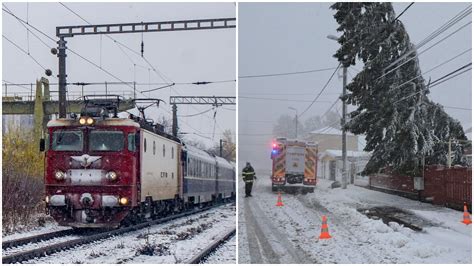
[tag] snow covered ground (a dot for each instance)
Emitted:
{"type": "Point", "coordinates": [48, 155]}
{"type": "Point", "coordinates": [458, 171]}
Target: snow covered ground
{"type": "Point", "coordinates": [47, 228]}
{"type": "Point", "coordinates": [171, 242]}
{"type": "Point", "coordinates": [225, 254]}
{"type": "Point", "coordinates": [289, 234]}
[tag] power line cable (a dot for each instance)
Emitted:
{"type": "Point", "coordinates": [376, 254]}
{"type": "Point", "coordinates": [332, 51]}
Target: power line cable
{"type": "Point", "coordinates": [430, 37]}
{"type": "Point", "coordinates": [285, 73]}
{"type": "Point", "coordinates": [438, 81]}
{"type": "Point", "coordinates": [435, 67]}
{"type": "Point", "coordinates": [322, 90]}
{"type": "Point", "coordinates": [283, 100]}
{"type": "Point", "coordinates": [406, 8]}
{"type": "Point", "coordinates": [422, 52]}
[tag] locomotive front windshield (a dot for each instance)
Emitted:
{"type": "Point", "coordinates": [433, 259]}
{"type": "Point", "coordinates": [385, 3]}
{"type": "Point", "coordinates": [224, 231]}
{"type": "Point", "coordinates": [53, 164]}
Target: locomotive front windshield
{"type": "Point", "coordinates": [67, 140]}
{"type": "Point", "coordinates": [106, 140]}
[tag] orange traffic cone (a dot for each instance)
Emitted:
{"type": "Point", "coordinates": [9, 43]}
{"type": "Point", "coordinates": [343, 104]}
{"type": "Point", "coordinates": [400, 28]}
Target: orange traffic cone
{"type": "Point", "coordinates": [466, 216]}
{"type": "Point", "coordinates": [324, 229]}
{"type": "Point", "coordinates": [279, 201]}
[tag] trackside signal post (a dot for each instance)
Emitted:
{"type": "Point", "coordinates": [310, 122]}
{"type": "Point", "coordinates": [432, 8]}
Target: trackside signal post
{"type": "Point", "coordinates": [63, 32]}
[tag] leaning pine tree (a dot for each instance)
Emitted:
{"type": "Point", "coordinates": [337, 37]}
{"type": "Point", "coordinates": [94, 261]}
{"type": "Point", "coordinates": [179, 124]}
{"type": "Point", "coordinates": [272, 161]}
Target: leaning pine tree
{"type": "Point", "coordinates": [402, 126]}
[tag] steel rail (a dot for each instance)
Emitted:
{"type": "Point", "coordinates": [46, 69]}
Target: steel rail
{"type": "Point", "coordinates": [35, 238]}
{"type": "Point", "coordinates": [48, 250]}
{"type": "Point", "coordinates": [201, 256]}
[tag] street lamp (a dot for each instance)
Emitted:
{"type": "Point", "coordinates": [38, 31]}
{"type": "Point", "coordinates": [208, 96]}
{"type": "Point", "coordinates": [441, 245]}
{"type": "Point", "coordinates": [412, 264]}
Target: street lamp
{"type": "Point", "coordinates": [296, 121]}
{"type": "Point", "coordinates": [343, 121]}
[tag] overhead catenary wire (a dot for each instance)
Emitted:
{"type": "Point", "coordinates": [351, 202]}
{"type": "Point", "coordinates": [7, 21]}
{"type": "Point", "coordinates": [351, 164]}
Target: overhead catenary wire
{"type": "Point", "coordinates": [101, 68]}
{"type": "Point", "coordinates": [119, 44]}
{"type": "Point", "coordinates": [24, 51]}
{"type": "Point", "coordinates": [72, 51]}
{"type": "Point", "coordinates": [200, 113]}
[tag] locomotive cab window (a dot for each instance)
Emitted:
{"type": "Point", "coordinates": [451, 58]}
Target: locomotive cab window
{"type": "Point", "coordinates": [65, 140]}
{"type": "Point", "coordinates": [131, 142]}
{"type": "Point", "coordinates": [106, 140]}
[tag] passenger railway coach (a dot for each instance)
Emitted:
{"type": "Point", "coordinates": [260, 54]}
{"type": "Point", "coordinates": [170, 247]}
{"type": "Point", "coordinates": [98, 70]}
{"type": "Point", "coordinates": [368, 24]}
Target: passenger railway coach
{"type": "Point", "coordinates": [102, 171]}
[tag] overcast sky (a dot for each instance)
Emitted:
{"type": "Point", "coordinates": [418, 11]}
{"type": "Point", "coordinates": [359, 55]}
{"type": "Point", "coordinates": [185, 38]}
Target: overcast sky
{"type": "Point", "coordinates": [183, 56]}
{"type": "Point", "coordinates": [286, 37]}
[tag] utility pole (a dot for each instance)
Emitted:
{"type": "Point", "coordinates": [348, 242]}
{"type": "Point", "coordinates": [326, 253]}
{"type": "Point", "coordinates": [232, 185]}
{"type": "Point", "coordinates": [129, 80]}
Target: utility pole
{"type": "Point", "coordinates": [449, 153]}
{"type": "Point", "coordinates": [343, 122]}
{"type": "Point", "coordinates": [296, 121]}
{"type": "Point", "coordinates": [220, 147]}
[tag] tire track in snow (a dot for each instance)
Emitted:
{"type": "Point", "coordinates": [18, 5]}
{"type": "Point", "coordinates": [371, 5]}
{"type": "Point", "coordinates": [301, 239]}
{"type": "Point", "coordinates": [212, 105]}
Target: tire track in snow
{"type": "Point", "coordinates": [258, 243]}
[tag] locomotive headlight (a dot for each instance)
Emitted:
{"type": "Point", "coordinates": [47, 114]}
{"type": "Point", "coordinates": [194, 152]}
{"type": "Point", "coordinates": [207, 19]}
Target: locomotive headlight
{"type": "Point", "coordinates": [123, 201]}
{"type": "Point", "coordinates": [59, 175]}
{"type": "Point", "coordinates": [46, 199]}
{"type": "Point", "coordinates": [90, 121]}
{"type": "Point", "coordinates": [112, 176]}
{"type": "Point", "coordinates": [82, 121]}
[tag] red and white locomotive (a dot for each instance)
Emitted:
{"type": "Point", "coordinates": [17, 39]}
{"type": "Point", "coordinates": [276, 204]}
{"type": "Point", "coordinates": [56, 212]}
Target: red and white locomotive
{"type": "Point", "coordinates": [104, 171]}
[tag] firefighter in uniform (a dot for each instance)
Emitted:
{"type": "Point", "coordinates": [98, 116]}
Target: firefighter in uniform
{"type": "Point", "coordinates": [248, 174]}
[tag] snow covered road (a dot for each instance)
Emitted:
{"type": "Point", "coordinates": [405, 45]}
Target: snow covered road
{"type": "Point", "coordinates": [289, 234]}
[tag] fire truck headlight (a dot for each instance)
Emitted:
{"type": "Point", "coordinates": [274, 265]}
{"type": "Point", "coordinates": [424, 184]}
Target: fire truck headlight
{"type": "Point", "coordinates": [112, 176]}
{"type": "Point", "coordinates": [59, 175]}
{"type": "Point", "coordinates": [123, 201]}
{"type": "Point", "coordinates": [82, 121]}
{"type": "Point", "coordinates": [90, 121]}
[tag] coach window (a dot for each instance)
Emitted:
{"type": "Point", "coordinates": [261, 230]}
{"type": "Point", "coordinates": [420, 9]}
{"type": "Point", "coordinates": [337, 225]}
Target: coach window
{"type": "Point", "coordinates": [164, 150]}
{"type": "Point", "coordinates": [172, 152]}
{"type": "Point", "coordinates": [144, 145]}
{"type": "Point", "coordinates": [154, 147]}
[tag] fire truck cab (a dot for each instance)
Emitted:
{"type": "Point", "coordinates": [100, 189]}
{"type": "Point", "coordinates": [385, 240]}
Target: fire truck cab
{"type": "Point", "coordinates": [294, 165]}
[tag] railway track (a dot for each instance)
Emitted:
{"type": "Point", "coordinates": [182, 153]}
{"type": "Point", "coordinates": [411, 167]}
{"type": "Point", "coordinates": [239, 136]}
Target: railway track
{"type": "Point", "coordinates": [47, 250]}
{"type": "Point", "coordinates": [203, 254]}
{"type": "Point", "coordinates": [35, 239]}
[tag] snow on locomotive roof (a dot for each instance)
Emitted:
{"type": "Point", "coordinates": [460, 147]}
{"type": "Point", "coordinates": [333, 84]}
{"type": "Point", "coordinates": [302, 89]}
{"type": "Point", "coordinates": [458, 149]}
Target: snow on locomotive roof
{"type": "Point", "coordinates": [61, 122]}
